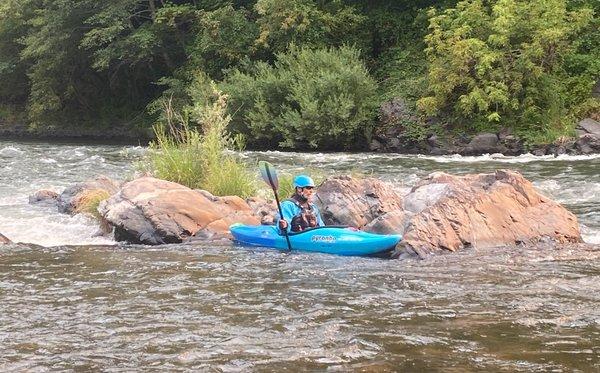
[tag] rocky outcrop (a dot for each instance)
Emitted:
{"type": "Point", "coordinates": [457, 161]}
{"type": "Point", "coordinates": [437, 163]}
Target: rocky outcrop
{"type": "Point", "coordinates": [485, 210]}
{"type": "Point", "coordinates": [4, 239]}
{"type": "Point", "coordinates": [399, 130]}
{"type": "Point", "coordinates": [441, 212]}
{"type": "Point", "coordinates": [503, 142]}
{"type": "Point", "coordinates": [71, 198]}
{"type": "Point", "coordinates": [446, 212]}
{"type": "Point", "coordinates": [345, 200]}
{"type": "Point", "coordinates": [153, 211]}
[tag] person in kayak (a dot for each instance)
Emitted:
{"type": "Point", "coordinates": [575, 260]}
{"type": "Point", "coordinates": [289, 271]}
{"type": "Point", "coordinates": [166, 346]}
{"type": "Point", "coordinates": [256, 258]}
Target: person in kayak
{"type": "Point", "coordinates": [299, 213]}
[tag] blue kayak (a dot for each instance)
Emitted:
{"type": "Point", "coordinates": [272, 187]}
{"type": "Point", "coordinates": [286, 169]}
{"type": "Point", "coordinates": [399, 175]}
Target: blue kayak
{"type": "Point", "coordinates": [329, 239]}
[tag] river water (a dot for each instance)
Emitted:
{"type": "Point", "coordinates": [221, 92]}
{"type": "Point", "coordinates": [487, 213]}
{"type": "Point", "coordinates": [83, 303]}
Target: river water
{"type": "Point", "coordinates": [71, 301]}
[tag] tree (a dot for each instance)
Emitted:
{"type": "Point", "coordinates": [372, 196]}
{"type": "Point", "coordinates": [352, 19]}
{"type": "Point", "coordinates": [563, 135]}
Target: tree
{"type": "Point", "coordinates": [322, 98]}
{"type": "Point", "coordinates": [13, 16]}
{"type": "Point", "coordinates": [305, 23]}
{"type": "Point", "coordinates": [501, 63]}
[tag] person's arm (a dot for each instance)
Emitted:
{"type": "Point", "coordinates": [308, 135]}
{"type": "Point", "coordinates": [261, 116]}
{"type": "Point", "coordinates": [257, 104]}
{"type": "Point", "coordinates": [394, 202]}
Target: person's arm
{"type": "Point", "coordinates": [288, 211]}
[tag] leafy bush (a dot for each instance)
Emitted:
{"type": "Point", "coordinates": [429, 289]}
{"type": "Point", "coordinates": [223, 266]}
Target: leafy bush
{"type": "Point", "coordinates": [500, 63]}
{"type": "Point", "coordinates": [183, 154]}
{"type": "Point", "coordinates": [310, 99]}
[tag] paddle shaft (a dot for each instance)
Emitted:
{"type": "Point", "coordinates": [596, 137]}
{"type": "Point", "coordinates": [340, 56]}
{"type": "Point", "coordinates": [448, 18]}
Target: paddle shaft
{"type": "Point", "coordinates": [285, 233]}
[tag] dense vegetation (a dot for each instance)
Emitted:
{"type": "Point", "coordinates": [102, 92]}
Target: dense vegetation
{"type": "Point", "coordinates": [299, 73]}
{"type": "Point", "coordinates": [191, 149]}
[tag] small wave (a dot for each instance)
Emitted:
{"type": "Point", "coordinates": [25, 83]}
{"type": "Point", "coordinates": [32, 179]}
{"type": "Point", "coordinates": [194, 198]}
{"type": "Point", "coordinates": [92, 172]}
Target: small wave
{"type": "Point", "coordinates": [523, 158]}
{"type": "Point", "coordinates": [133, 151]}
{"type": "Point", "coordinates": [10, 152]}
{"type": "Point", "coordinates": [572, 192]}
{"type": "Point", "coordinates": [495, 157]}
{"type": "Point", "coordinates": [54, 229]}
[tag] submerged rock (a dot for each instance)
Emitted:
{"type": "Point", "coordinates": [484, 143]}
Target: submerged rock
{"type": "Point", "coordinates": [44, 197]}
{"type": "Point", "coordinates": [153, 211]}
{"type": "Point", "coordinates": [4, 239]}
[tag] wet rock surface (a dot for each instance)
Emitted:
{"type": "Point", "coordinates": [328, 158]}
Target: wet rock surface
{"type": "Point", "coordinates": [447, 212]}
{"type": "Point", "coordinates": [71, 198]}
{"type": "Point", "coordinates": [153, 211]}
{"type": "Point", "coordinates": [345, 200]}
{"type": "Point", "coordinates": [486, 210]}
{"type": "Point", "coordinates": [442, 212]}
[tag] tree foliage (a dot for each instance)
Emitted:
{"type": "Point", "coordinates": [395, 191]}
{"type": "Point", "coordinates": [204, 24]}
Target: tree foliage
{"type": "Point", "coordinates": [321, 98]}
{"type": "Point", "coordinates": [474, 64]}
{"type": "Point", "coordinates": [502, 62]}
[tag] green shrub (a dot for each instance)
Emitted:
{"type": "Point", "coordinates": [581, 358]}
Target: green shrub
{"type": "Point", "coordinates": [200, 157]}
{"type": "Point", "coordinates": [310, 99]}
{"type": "Point", "coordinates": [500, 63]}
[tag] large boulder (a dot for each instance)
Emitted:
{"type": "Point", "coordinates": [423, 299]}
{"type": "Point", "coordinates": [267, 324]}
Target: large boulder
{"type": "Point", "coordinates": [344, 200]}
{"type": "Point", "coordinates": [71, 198]}
{"type": "Point", "coordinates": [588, 144]}
{"type": "Point", "coordinates": [4, 239]}
{"type": "Point", "coordinates": [485, 210]}
{"type": "Point", "coordinates": [447, 212]}
{"type": "Point", "coordinates": [588, 125]}
{"type": "Point", "coordinates": [483, 143]}
{"type": "Point", "coordinates": [153, 211]}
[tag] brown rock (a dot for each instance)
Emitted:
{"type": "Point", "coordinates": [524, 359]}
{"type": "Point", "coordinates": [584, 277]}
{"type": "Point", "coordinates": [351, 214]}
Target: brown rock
{"type": "Point", "coordinates": [153, 211]}
{"type": "Point", "coordinates": [487, 210]}
{"type": "Point", "coordinates": [265, 210]}
{"type": "Point", "coordinates": [344, 200]}
{"type": "Point", "coordinates": [44, 196]}
{"type": "Point", "coordinates": [70, 199]}
{"type": "Point", "coordinates": [393, 222]}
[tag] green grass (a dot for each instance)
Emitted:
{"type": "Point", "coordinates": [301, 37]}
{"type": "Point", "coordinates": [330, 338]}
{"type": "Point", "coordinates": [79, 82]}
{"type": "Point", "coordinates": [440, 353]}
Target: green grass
{"type": "Point", "coordinates": [89, 200]}
{"type": "Point", "coordinates": [200, 160]}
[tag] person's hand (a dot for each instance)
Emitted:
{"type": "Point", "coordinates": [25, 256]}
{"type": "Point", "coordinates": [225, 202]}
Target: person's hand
{"type": "Point", "coordinates": [283, 224]}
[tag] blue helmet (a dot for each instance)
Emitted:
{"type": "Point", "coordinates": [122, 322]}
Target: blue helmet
{"type": "Point", "coordinates": [303, 181]}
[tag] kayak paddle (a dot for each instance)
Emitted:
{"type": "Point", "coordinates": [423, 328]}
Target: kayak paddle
{"type": "Point", "coordinates": [269, 175]}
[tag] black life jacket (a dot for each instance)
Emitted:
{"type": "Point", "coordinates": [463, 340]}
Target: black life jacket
{"type": "Point", "coordinates": [304, 219]}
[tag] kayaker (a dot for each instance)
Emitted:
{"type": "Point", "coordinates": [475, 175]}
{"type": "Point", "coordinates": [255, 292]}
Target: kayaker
{"type": "Point", "coordinates": [299, 209]}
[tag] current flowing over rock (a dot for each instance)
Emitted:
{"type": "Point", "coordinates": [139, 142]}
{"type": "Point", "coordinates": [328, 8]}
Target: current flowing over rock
{"type": "Point", "coordinates": [4, 239]}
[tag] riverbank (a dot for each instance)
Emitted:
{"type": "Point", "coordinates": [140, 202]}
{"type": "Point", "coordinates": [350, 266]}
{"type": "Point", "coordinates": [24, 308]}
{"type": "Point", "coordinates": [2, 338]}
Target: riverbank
{"type": "Point", "coordinates": [112, 135]}
{"type": "Point", "coordinates": [586, 141]}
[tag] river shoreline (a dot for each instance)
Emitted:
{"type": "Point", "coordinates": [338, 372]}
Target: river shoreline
{"type": "Point", "coordinates": [130, 139]}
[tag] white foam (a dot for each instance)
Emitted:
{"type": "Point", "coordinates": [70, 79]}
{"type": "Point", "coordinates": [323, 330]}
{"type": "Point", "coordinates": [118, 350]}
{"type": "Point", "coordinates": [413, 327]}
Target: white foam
{"type": "Point", "coordinates": [10, 152]}
{"type": "Point", "coordinates": [523, 158]}
{"type": "Point", "coordinates": [53, 230]}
